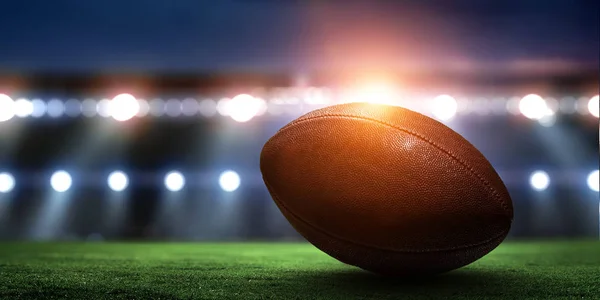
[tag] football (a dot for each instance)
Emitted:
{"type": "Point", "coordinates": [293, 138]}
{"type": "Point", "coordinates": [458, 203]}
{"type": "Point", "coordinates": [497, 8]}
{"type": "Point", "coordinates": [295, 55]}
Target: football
{"type": "Point", "coordinates": [386, 189]}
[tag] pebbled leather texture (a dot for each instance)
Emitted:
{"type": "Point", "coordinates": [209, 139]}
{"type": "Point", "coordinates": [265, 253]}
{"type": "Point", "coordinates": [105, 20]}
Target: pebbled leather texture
{"type": "Point", "coordinates": [386, 189]}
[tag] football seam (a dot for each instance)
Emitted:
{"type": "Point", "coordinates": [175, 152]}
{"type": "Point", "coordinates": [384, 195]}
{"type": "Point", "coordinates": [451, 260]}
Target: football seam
{"type": "Point", "coordinates": [324, 232]}
{"type": "Point", "coordinates": [487, 185]}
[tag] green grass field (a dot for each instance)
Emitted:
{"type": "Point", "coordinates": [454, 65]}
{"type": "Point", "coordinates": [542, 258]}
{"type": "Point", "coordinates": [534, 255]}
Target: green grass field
{"type": "Point", "coordinates": [516, 270]}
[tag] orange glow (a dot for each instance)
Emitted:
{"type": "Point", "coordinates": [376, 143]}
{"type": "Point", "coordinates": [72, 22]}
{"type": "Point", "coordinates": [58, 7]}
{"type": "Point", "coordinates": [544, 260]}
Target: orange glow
{"type": "Point", "coordinates": [378, 92]}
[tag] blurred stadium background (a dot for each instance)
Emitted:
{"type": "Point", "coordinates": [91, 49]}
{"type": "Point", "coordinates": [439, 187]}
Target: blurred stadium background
{"type": "Point", "coordinates": [175, 157]}
{"type": "Point", "coordinates": [145, 119]}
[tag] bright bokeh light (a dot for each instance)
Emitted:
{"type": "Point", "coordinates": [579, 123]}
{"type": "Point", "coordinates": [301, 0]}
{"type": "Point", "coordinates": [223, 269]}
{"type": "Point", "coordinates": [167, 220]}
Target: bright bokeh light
{"type": "Point", "coordinates": [174, 181]}
{"type": "Point", "coordinates": [144, 108]}
{"type": "Point", "coordinates": [61, 181]}
{"type": "Point", "coordinates": [512, 105]}
{"type": "Point", "coordinates": [223, 106]}
{"type": "Point", "coordinates": [72, 108]}
{"type": "Point", "coordinates": [189, 106]}
{"type": "Point", "coordinates": [444, 107]}
{"type": "Point", "coordinates": [229, 181]}
{"type": "Point", "coordinates": [207, 107]}
{"type": "Point", "coordinates": [23, 108]}
{"type": "Point", "coordinates": [157, 107]}
{"type": "Point", "coordinates": [123, 107]}
{"type": "Point", "coordinates": [593, 181]}
{"type": "Point", "coordinates": [7, 183]}
{"type": "Point", "coordinates": [55, 108]}
{"type": "Point", "coordinates": [103, 108]}
{"type": "Point", "coordinates": [243, 107]}
{"type": "Point", "coordinates": [89, 108]}
{"type": "Point", "coordinates": [173, 108]}
{"type": "Point", "coordinates": [533, 107]}
{"type": "Point", "coordinates": [593, 106]}
{"type": "Point", "coordinates": [376, 92]}
{"type": "Point", "coordinates": [539, 180]}
{"type": "Point", "coordinates": [262, 108]}
{"type": "Point", "coordinates": [118, 181]}
{"type": "Point", "coordinates": [39, 108]}
{"type": "Point", "coordinates": [7, 108]}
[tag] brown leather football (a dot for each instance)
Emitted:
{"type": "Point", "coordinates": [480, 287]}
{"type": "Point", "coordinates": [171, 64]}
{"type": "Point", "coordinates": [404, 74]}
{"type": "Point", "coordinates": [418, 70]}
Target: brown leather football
{"type": "Point", "coordinates": [386, 189]}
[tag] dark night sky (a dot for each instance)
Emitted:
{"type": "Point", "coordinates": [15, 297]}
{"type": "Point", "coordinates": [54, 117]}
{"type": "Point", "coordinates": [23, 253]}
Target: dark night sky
{"type": "Point", "coordinates": [291, 35]}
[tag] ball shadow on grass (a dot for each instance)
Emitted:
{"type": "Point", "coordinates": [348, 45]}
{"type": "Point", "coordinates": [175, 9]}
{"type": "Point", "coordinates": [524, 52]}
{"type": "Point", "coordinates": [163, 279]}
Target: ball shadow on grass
{"type": "Point", "coordinates": [468, 283]}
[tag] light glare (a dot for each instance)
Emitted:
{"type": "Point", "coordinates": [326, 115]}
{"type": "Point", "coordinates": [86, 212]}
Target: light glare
{"type": "Point", "coordinates": [7, 183]}
{"type": "Point", "coordinates": [242, 108]}
{"type": "Point", "coordinates": [23, 108]}
{"type": "Point", "coordinates": [173, 108]}
{"type": "Point", "coordinates": [7, 108]}
{"type": "Point", "coordinates": [118, 181]}
{"type": "Point", "coordinates": [539, 180]}
{"type": "Point", "coordinates": [593, 106]}
{"type": "Point", "coordinates": [208, 107]}
{"type": "Point", "coordinates": [103, 108]}
{"type": "Point", "coordinates": [55, 108]}
{"type": "Point", "coordinates": [593, 181]}
{"type": "Point", "coordinates": [39, 108]}
{"type": "Point", "coordinates": [377, 93]}
{"type": "Point", "coordinates": [444, 107]}
{"type": "Point", "coordinates": [533, 107]}
{"type": "Point", "coordinates": [229, 181]}
{"type": "Point", "coordinates": [61, 181]}
{"type": "Point", "coordinates": [174, 181]}
{"type": "Point", "coordinates": [123, 107]}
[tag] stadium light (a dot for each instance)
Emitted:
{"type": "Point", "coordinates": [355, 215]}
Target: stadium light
{"type": "Point", "coordinates": [103, 108]}
{"type": "Point", "coordinates": [208, 107]}
{"type": "Point", "coordinates": [89, 107]}
{"type": "Point", "coordinates": [229, 181]}
{"type": "Point", "coordinates": [533, 107]}
{"type": "Point", "coordinates": [593, 181]}
{"type": "Point", "coordinates": [7, 108]}
{"type": "Point", "coordinates": [118, 181]}
{"type": "Point", "coordinates": [123, 107]}
{"type": "Point", "coordinates": [7, 183]}
{"type": "Point", "coordinates": [539, 180]}
{"type": "Point", "coordinates": [444, 107]}
{"type": "Point", "coordinates": [173, 108]}
{"type": "Point", "coordinates": [55, 108]}
{"type": "Point", "coordinates": [72, 108]}
{"type": "Point", "coordinates": [157, 107]}
{"type": "Point", "coordinates": [242, 108]}
{"type": "Point", "coordinates": [23, 108]}
{"type": "Point", "coordinates": [144, 108]}
{"type": "Point", "coordinates": [593, 106]}
{"type": "Point", "coordinates": [61, 181]}
{"type": "Point", "coordinates": [174, 181]}
{"type": "Point", "coordinates": [223, 107]}
{"type": "Point", "coordinates": [39, 108]}
{"type": "Point", "coordinates": [189, 106]}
